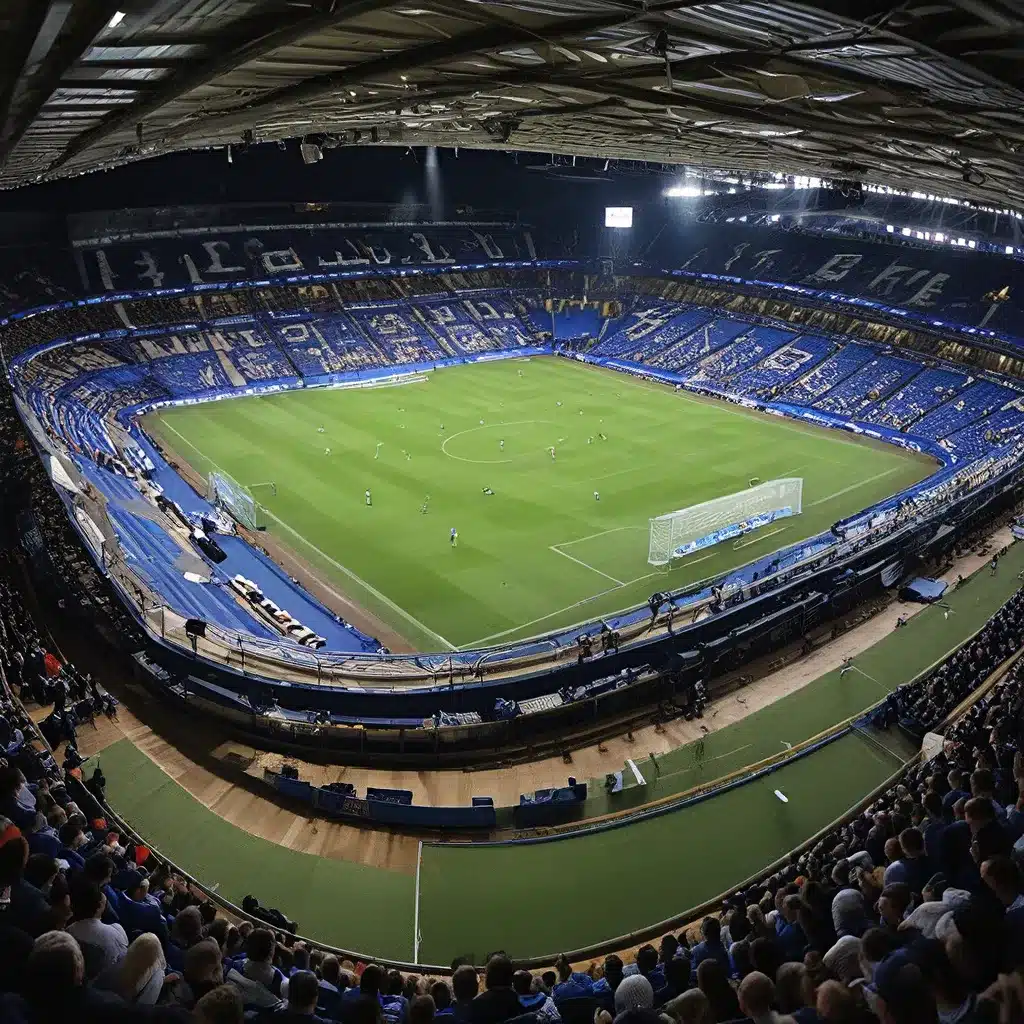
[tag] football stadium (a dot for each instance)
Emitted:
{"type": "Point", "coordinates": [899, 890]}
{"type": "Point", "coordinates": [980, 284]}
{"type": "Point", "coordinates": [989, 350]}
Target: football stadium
{"type": "Point", "coordinates": [511, 511]}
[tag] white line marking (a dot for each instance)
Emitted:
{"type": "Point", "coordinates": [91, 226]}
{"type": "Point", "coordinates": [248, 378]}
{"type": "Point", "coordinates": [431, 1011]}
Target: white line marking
{"type": "Point", "coordinates": [416, 911]}
{"type": "Point", "coordinates": [708, 760]}
{"type": "Point", "coordinates": [397, 609]}
{"type": "Point", "coordinates": [757, 538]}
{"type": "Point", "coordinates": [593, 536]}
{"type": "Point", "coordinates": [872, 678]}
{"type": "Point", "coordinates": [564, 554]}
{"type": "Point", "coordinates": [853, 487]}
{"type": "Point", "coordinates": [488, 426]}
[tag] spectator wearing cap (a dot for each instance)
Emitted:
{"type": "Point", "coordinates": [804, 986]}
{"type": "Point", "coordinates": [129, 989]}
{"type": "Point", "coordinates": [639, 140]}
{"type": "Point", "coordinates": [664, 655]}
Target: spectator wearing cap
{"type": "Point", "coordinates": [571, 984]}
{"type": "Point", "coordinates": [108, 942]}
{"type": "Point", "coordinates": [710, 947]}
{"type": "Point", "coordinates": [533, 999]}
{"type": "Point", "coordinates": [498, 1001]}
{"type": "Point", "coordinates": [899, 993]}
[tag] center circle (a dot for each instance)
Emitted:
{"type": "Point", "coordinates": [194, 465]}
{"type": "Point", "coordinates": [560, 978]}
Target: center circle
{"type": "Point", "coordinates": [482, 444]}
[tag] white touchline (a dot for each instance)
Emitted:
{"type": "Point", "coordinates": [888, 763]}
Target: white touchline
{"type": "Point", "coordinates": [416, 909]}
{"type": "Point", "coordinates": [757, 538]}
{"type": "Point", "coordinates": [397, 609]}
{"type": "Point", "coordinates": [853, 487]}
{"type": "Point", "coordinates": [558, 551]}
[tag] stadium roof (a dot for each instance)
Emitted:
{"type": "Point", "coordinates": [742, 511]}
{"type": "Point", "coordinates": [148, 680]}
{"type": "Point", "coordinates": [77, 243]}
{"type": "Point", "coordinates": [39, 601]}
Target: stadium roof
{"type": "Point", "coordinates": [925, 96]}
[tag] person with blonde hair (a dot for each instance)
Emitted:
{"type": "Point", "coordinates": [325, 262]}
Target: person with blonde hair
{"type": "Point", "coordinates": [692, 1007]}
{"type": "Point", "coordinates": [139, 978]}
{"type": "Point", "coordinates": [221, 1005]}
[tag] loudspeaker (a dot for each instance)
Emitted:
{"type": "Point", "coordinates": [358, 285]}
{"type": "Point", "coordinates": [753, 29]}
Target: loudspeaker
{"type": "Point", "coordinates": [195, 628]}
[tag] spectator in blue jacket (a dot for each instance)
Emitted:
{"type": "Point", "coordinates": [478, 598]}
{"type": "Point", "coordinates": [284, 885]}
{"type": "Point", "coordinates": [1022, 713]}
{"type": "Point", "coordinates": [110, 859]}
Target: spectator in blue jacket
{"type": "Point", "coordinates": [789, 935]}
{"type": "Point", "coordinates": [442, 996]}
{"type": "Point", "coordinates": [534, 999]}
{"type": "Point", "coordinates": [571, 984]}
{"type": "Point", "coordinates": [605, 986]}
{"type": "Point", "coordinates": [709, 948]}
{"type": "Point", "coordinates": [137, 915]}
{"type": "Point", "coordinates": [71, 839]}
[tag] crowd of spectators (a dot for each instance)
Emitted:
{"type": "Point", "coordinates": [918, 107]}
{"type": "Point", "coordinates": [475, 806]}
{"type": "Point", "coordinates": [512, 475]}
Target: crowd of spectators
{"type": "Point", "coordinates": [919, 708]}
{"type": "Point", "coordinates": [911, 913]}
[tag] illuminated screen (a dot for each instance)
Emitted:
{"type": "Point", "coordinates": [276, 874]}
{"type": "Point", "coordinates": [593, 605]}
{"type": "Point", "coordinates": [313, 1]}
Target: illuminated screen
{"type": "Point", "coordinates": [618, 216]}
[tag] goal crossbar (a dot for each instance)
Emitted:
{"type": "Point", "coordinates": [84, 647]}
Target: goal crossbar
{"type": "Point", "coordinates": [680, 533]}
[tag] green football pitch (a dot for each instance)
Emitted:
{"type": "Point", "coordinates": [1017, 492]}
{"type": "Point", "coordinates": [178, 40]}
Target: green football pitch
{"type": "Point", "coordinates": [541, 551]}
{"type": "Point", "coordinates": [539, 898]}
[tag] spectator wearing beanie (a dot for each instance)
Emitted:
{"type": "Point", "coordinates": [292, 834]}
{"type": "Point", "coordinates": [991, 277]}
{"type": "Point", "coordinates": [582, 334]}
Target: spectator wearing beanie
{"type": "Point", "coordinates": [634, 993]}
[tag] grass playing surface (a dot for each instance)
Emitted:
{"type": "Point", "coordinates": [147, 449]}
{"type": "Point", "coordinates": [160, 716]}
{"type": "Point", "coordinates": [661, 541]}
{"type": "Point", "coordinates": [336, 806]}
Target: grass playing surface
{"type": "Point", "coordinates": [539, 899]}
{"type": "Point", "coordinates": [540, 552]}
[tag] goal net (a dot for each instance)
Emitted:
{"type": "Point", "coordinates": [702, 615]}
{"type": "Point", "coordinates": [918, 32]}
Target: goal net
{"type": "Point", "coordinates": [680, 533]}
{"type": "Point", "coordinates": [228, 494]}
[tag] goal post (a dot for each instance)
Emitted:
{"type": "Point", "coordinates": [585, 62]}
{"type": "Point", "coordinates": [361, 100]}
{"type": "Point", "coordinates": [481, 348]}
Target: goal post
{"type": "Point", "coordinates": [227, 493]}
{"type": "Point", "coordinates": [680, 533]}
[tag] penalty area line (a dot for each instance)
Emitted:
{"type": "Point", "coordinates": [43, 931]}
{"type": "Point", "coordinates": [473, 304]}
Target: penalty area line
{"type": "Point", "coordinates": [558, 551]}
